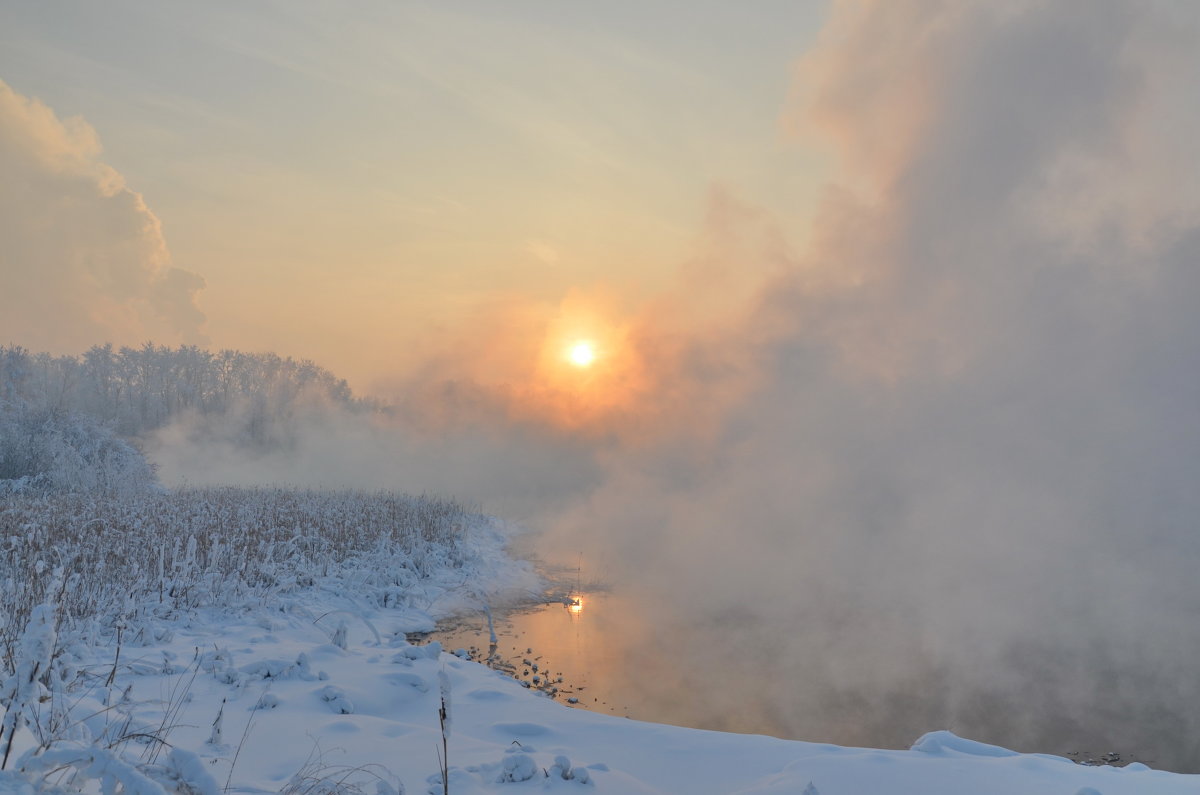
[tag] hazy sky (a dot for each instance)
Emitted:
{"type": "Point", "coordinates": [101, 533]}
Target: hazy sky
{"type": "Point", "coordinates": [352, 180]}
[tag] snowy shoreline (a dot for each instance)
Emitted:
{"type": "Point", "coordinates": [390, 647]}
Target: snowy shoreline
{"type": "Point", "coordinates": [300, 713]}
{"type": "Point", "coordinates": [317, 690]}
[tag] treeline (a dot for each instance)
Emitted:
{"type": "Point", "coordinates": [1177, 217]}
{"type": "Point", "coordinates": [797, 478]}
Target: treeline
{"type": "Point", "coordinates": [73, 422]}
{"type": "Point", "coordinates": [136, 391]}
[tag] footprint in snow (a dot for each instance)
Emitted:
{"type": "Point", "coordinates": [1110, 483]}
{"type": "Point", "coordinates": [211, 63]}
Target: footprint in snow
{"type": "Point", "coordinates": [522, 729]}
{"type": "Point", "coordinates": [485, 694]}
{"type": "Point", "coordinates": [341, 727]}
{"type": "Point", "coordinates": [407, 680]}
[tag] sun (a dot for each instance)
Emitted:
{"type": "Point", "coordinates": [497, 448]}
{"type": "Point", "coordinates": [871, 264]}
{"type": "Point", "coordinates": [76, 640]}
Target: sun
{"type": "Point", "coordinates": [582, 354]}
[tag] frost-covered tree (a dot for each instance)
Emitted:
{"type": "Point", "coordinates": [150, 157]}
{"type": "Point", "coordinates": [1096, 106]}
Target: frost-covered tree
{"type": "Point", "coordinates": [253, 399]}
{"type": "Point", "coordinates": [49, 452]}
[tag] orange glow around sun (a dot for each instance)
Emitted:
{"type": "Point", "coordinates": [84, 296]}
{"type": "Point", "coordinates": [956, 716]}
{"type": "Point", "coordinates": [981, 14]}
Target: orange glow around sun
{"type": "Point", "coordinates": [582, 354]}
{"type": "Point", "coordinates": [587, 366]}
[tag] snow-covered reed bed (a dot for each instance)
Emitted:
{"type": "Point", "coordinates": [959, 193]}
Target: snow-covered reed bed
{"type": "Point", "coordinates": [130, 560]}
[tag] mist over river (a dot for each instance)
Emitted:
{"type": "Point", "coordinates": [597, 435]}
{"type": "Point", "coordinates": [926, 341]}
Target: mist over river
{"type": "Point", "coordinates": [608, 652]}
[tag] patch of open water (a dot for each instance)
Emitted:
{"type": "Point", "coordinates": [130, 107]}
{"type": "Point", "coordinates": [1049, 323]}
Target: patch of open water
{"type": "Point", "coordinates": [586, 652]}
{"type": "Point", "coordinates": [562, 648]}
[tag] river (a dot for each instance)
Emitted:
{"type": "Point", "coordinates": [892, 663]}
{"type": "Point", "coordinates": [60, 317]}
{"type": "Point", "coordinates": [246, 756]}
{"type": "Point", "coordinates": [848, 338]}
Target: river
{"type": "Point", "coordinates": [609, 653]}
{"type": "Point", "coordinates": [563, 649]}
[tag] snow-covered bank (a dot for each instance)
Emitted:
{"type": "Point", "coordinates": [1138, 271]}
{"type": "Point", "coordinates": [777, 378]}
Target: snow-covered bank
{"type": "Point", "coordinates": [139, 560]}
{"type": "Point", "coordinates": [295, 712]}
{"type": "Point", "coordinates": [256, 641]}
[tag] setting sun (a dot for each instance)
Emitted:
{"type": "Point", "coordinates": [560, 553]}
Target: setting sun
{"type": "Point", "coordinates": [582, 354]}
{"type": "Point", "coordinates": [586, 366]}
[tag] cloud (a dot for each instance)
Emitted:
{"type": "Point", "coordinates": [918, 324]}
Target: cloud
{"type": "Point", "coordinates": [83, 259]}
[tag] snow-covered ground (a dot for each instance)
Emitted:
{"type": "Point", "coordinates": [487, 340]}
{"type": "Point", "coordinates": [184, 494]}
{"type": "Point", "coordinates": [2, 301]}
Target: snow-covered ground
{"type": "Point", "coordinates": [317, 690]}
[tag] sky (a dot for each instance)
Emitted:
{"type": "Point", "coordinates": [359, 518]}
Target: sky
{"type": "Point", "coordinates": [893, 307]}
{"type": "Point", "coordinates": [353, 182]}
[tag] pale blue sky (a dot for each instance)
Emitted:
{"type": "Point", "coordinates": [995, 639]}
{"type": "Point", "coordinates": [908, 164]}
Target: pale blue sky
{"type": "Point", "coordinates": [416, 159]}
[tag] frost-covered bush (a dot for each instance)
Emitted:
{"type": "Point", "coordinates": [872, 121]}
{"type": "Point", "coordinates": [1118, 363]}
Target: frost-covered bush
{"type": "Point", "coordinates": [517, 767]}
{"type": "Point", "coordinates": [43, 452]}
{"type": "Point", "coordinates": [25, 687]}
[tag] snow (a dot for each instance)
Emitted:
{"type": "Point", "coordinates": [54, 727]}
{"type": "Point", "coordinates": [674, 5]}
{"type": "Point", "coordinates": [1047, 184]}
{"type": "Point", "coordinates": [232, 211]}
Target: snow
{"type": "Point", "coordinates": [319, 691]}
{"type": "Point", "coordinates": [506, 737]}
{"type": "Point", "coordinates": [945, 743]}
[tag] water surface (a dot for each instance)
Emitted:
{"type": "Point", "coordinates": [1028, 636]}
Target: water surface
{"type": "Point", "coordinates": [563, 649]}
{"type": "Point", "coordinates": [627, 657]}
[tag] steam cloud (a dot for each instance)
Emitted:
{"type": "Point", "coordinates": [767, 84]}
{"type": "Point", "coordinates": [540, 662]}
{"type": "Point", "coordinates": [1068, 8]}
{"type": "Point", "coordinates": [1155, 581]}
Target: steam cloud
{"type": "Point", "coordinates": [83, 259]}
{"type": "Point", "coordinates": [938, 469]}
{"type": "Point", "coordinates": [962, 493]}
